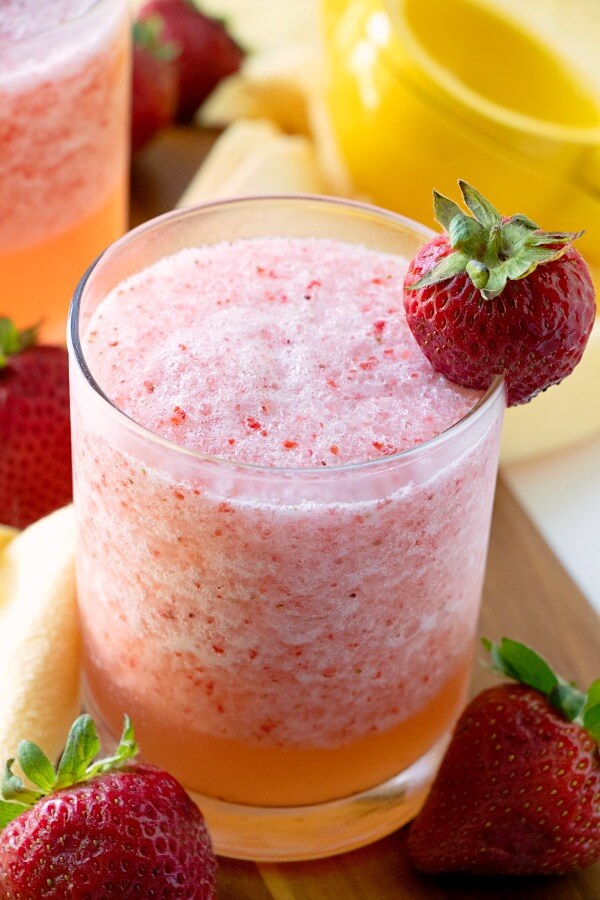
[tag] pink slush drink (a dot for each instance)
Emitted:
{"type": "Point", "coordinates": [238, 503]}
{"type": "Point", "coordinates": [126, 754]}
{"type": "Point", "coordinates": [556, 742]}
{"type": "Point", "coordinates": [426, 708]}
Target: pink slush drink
{"type": "Point", "coordinates": [287, 600]}
{"type": "Point", "coordinates": [64, 139]}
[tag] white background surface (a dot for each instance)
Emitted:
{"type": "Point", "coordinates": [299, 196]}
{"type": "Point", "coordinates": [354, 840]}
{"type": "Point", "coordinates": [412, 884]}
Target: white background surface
{"type": "Point", "coordinates": [561, 493]}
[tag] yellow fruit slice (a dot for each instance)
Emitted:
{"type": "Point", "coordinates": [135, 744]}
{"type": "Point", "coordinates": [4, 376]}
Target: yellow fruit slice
{"type": "Point", "coordinates": [254, 157]}
{"type": "Point", "coordinates": [39, 635]}
{"type": "Point", "coordinates": [562, 415]}
{"type": "Point", "coordinates": [7, 534]}
{"type": "Point", "coordinates": [231, 149]}
{"type": "Point", "coordinates": [275, 84]}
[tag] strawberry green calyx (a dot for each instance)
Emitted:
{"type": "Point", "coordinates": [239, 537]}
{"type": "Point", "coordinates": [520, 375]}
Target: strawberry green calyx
{"type": "Point", "coordinates": [12, 341]}
{"type": "Point", "coordinates": [517, 661]}
{"type": "Point", "coordinates": [76, 765]}
{"type": "Point", "coordinates": [147, 33]}
{"type": "Point", "coordinates": [491, 250]}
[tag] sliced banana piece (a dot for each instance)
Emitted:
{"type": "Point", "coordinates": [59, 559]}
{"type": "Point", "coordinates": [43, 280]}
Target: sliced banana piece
{"type": "Point", "coordinates": [230, 150]}
{"type": "Point", "coordinates": [254, 157]}
{"type": "Point", "coordinates": [7, 534]}
{"type": "Point", "coordinates": [277, 84]}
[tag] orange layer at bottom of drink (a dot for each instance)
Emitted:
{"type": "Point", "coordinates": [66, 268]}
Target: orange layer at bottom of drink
{"type": "Point", "coordinates": [277, 776]}
{"type": "Point", "coordinates": [38, 279]}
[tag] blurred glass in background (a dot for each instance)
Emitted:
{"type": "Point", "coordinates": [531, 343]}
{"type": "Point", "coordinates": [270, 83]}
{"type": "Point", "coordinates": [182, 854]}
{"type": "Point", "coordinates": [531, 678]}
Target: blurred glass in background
{"type": "Point", "coordinates": [64, 150]}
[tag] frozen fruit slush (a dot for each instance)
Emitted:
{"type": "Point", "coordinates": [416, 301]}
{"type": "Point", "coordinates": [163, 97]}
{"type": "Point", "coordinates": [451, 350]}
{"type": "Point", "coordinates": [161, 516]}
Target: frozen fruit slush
{"type": "Point", "coordinates": [64, 134]}
{"type": "Point", "coordinates": [295, 645]}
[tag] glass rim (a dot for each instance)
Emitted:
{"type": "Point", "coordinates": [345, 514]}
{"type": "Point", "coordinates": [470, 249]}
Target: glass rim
{"type": "Point", "coordinates": [58, 28]}
{"type": "Point", "coordinates": [77, 355]}
{"type": "Point", "coordinates": [452, 85]}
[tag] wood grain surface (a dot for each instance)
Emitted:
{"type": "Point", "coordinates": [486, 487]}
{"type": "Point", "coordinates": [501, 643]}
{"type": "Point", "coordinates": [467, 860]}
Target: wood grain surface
{"type": "Point", "coordinates": [527, 595]}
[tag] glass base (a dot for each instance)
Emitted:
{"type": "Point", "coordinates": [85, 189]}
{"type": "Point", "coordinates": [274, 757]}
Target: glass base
{"type": "Point", "coordinates": [286, 834]}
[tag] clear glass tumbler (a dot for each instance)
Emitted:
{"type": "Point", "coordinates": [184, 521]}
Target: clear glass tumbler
{"type": "Point", "coordinates": [293, 644]}
{"type": "Point", "coordinates": [64, 149]}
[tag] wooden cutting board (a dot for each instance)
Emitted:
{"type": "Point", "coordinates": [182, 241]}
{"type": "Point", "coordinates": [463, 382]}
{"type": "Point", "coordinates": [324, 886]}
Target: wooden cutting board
{"type": "Point", "coordinates": [527, 595]}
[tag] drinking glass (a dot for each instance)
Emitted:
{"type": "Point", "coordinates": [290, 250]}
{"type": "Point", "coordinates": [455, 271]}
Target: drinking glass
{"type": "Point", "coordinates": [64, 152]}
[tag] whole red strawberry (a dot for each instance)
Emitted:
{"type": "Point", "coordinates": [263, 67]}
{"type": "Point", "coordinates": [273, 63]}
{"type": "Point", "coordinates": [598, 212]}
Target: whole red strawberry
{"type": "Point", "coordinates": [518, 791]}
{"type": "Point", "coordinates": [35, 431]}
{"type": "Point", "coordinates": [100, 830]}
{"type": "Point", "coordinates": [207, 52]}
{"type": "Point", "coordinates": [155, 82]}
{"type": "Point", "coordinates": [497, 296]}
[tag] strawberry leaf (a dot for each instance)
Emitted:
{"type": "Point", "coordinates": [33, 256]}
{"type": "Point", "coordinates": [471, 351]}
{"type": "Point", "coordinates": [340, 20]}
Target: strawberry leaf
{"type": "Point", "coordinates": [10, 811]}
{"type": "Point", "coordinates": [495, 283]}
{"type": "Point", "coordinates": [445, 210]}
{"type": "Point", "coordinates": [524, 222]}
{"type": "Point", "coordinates": [521, 264]}
{"type": "Point", "coordinates": [495, 250]}
{"type": "Point", "coordinates": [542, 238]}
{"type": "Point", "coordinates": [593, 694]}
{"type": "Point", "coordinates": [448, 267]}
{"type": "Point", "coordinates": [11, 783]}
{"type": "Point", "coordinates": [591, 721]}
{"type": "Point", "coordinates": [517, 661]}
{"type": "Point", "coordinates": [568, 700]}
{"type": "Point", "coordinates": [12, 341]}
{"type": "Point", "coordinates": [36, 765]}
{"type": "Point", "coordinates": [13, 788]}
{"type": "Point", "coordinates": [126, 750]}
{"type": "Point", "coordinates": [466, 234]}
{"type": "Point", "coordinates": [148, 33]}
{"type": "Point", "coordinates": [482, 209]}
{"type": "Point", "coordinates": [76, 765]}
{"type": "Point", "coordinates": [9, 340]}
{"type": "Point", "coordinates": [81, 748]}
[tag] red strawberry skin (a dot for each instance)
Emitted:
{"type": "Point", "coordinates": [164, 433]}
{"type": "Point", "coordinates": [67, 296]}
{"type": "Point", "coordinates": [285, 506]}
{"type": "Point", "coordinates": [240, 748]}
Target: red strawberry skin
{"type": "Point", "coordinates": [35, 435]}
{"type": "Point", "coordinates": [207, 52]}
{"type": "Point", "coordinates": [535, 332]}
{"type": "Point", "coordinates": [517, 793]}
{"type": "Point", "coordinates": [154, 97]}
{"type": "Point", "coordinates": [129, 833]}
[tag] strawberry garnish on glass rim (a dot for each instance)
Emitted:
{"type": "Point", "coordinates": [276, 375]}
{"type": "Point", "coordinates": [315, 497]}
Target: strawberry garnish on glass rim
{"type": "Point", "coordinates": [518, 791]}
{"type": "Point", "coordinates": [498, 296]}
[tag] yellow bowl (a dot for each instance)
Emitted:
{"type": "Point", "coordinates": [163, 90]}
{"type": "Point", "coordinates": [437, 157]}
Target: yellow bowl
{"type": "Point", "coordinates": [423, 92]}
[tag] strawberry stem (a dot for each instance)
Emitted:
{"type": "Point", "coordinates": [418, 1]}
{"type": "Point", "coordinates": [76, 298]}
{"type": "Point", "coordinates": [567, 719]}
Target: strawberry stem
{"type": "Point", "coordinates": [12, 341]}
{"type": "Point", "coordinates": [148, 33]}
{"type": "Point", "coordinates": [489, 249]}
{"type": "Point", "coordinates": [76, 765]}
{"type": "Point", "coordinates": [517, 661]}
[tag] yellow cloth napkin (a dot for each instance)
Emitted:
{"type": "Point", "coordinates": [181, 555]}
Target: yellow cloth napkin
{"type": "Point", "coordinates": [39, 634]}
